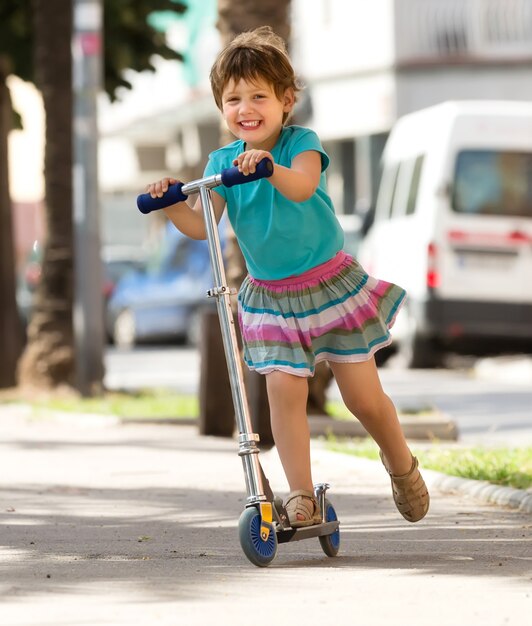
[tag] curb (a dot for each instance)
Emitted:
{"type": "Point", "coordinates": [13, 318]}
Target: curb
{"type": "Point", "coordinates": [516, 369]}
{"type": "Point", "coordinates": [434, 427]}
{"type": "Point", "coordinates": [481, 490]}
{"type": "Point", "coordinates": [429, 427]}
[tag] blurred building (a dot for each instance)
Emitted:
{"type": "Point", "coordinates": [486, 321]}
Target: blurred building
{"type": "Point", "coordinates": [367, 63]}
{"type": "Point", "coordinates": [364, 65]}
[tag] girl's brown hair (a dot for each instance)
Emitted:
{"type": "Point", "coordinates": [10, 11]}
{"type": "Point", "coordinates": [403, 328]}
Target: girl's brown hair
{"type": "Point", "coordinates": [256, 54]}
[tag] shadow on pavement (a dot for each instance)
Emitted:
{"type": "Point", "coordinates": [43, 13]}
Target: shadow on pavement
{"type": "Point", "coordinates": [171, 543]}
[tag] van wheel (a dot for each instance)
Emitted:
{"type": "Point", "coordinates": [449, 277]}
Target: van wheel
{"type": "Point", "coordinates": [416, 351]}
{"type": "Point", "coordinates": [420, 352]}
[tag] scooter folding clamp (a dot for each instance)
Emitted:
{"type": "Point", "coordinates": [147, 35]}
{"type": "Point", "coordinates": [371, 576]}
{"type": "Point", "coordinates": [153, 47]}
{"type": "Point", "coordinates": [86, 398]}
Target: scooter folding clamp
{"type": "Point", "coordinates": [216, 292]}
{"type": "Point", "coordinates": [247, 444]}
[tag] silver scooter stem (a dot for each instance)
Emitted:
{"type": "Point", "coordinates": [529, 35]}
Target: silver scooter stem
{"type": "Point", "coordinates": [248, 449]}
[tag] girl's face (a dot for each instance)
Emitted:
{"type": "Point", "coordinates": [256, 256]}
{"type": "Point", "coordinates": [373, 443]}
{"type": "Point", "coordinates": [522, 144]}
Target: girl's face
{"type": "Point", "coordinates": [253, 112]}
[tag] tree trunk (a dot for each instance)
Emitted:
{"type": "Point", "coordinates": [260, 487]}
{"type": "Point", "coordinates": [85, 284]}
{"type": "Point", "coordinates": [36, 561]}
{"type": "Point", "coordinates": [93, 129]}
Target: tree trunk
{"type": "Point", "coordinates": [10, 326]}
{"type": "Point", "coordinates": [237, 16]}
{"type": "Point", "coordinates": [234, 17]}
{"type": "Point", "coordinates": [48, 360]}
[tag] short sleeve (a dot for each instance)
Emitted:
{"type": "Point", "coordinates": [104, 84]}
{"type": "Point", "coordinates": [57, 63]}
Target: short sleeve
{"type": "Point", "coordinates": [214, 167]}
{"type": "Point", "coordinates": [305, 139]}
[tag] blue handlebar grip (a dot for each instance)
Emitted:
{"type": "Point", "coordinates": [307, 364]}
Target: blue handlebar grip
{"type": "Point", "coordinates": [146, 204]}
{"type": "Point", "coordinates": [231, 176]}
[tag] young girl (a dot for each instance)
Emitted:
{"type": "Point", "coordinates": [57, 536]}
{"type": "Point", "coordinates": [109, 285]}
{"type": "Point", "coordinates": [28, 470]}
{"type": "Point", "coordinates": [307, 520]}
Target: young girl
{"type": "Point", "coordinates": [304, 300]}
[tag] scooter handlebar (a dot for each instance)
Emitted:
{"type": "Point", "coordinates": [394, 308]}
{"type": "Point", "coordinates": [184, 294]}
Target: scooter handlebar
{"type": "Point", "coordinates": [229, 177]}
{"type": "Point", "coordinates": [232, 176]}
{"type": "Point", "coordinates": [146, 204]}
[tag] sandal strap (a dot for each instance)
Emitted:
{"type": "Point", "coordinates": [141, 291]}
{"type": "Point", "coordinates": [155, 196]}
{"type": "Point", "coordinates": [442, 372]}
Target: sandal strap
{"type": "Point", "coordinates": [295, 504]}
{"type": "Point", "coordinates": [300, 493]}
{"type": "Point", "coordinates": [409, 491]}
{"type": "Point", "coordinates": [413, 467]}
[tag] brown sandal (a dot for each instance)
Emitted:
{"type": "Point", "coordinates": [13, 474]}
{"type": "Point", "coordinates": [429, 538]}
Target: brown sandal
{"type": "Point", "coordinates": [410, 493]}
{"type": "Point", "coordinates": [305, 504]}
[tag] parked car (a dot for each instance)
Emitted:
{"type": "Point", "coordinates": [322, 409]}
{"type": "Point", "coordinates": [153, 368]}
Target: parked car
{"type": "Point", "coordinates": [163, 301]}
{"type": "Point", "coordinates": [116, 262]}
{"type": "Point", "coordinates": [453, 226]}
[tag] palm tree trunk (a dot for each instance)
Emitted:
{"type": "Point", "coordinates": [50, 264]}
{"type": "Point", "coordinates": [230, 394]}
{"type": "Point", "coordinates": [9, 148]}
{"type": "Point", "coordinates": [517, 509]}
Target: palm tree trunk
{"type": "Point", "coordinates": [10, 327]}
{"type": "Point", "coordinates": [48, 360]}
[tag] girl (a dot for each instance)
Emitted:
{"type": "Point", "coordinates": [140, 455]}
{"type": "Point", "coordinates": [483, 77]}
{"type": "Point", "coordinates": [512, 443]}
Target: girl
{"type": "Point", "coordinates": [304, 300]}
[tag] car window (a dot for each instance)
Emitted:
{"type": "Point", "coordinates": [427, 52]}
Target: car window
{"type": "Point", "coordinates": [490, 182]}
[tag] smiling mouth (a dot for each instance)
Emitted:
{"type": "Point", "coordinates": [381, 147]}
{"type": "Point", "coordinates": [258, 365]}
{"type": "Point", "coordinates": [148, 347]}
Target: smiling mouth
{"type": "Point", "coordinates": [250, 125]}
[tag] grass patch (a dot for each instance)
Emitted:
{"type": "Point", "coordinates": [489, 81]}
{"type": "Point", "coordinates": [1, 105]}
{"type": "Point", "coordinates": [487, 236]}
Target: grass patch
{"type": "Point", "coordinates": [508, 467]}
{"type": "Point", "coordinates": [141, 405]}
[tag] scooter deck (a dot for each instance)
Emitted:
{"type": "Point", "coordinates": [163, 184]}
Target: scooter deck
{"type": "Point", "coordinates": [297, 534]}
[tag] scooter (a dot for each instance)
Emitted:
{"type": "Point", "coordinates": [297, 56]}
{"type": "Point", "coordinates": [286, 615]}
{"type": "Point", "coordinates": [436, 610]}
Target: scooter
{"type": "Point", "coordinates": [264, 522]}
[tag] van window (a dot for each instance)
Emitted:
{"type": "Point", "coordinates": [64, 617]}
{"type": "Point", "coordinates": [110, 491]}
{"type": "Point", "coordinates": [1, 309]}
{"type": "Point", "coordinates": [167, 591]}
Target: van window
{"type": "Point", "coordinates": [405, 193]}
{"type": "Point", "coordinates": [414, 185]}
{"type": "Point", "coordinates": [489, 182]}
{"type": "Point", "coordinates": [387, 192]}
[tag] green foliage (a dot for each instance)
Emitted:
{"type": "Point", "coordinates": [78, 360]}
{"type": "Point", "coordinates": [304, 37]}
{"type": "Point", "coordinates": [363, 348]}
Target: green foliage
{"type": "Point", "coordinates": [130, 42]}
{"type": "Point", "coordinates": [144, 404]}
{"type": "Point", "coordinates": [16, 37]}
{"type": "Point", "coordinates": [501, 466]}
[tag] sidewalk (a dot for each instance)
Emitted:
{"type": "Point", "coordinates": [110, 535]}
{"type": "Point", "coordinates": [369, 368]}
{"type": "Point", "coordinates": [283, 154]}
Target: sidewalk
{"type": "Point", "coordinates": [134, 525]}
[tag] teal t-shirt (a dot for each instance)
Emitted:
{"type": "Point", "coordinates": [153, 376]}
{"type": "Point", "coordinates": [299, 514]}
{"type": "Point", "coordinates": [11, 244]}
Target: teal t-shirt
{"type": "Point", "coordinates": [279, 237]}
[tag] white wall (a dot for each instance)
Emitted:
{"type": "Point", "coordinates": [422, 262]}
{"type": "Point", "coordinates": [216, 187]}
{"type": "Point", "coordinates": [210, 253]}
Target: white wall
{"type": "Point", "coordinates": [335, 38]}
{"type": "Point", "coordinates": [26, 147]}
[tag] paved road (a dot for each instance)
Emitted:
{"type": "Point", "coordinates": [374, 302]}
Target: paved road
{"type": "Point", "coordinates": [137, 525]}
{"type": "Point", "coordinates": [490, 405]}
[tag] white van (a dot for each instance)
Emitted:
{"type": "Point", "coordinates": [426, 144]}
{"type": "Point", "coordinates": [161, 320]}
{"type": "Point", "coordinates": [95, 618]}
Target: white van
{"type": "Point", "coordinates": [453, 226]}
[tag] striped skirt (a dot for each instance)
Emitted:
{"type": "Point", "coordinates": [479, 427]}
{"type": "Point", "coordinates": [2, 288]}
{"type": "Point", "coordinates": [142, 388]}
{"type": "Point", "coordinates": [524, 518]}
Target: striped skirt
{"type": "Point", "coordinates": [334, 312]}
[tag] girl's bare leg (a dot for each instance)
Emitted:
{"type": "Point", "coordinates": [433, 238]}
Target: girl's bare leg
{"type": "Point", "coordinates": [363, 395]}
{"type": "Point", "coordinates": [287, 396]}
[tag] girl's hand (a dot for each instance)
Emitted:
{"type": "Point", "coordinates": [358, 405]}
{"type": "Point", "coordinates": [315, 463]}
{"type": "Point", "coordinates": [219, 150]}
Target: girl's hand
{"type": "Point", "coordinates": [247, 161]}
{"type": "Point", "coordinates": [158, 189]}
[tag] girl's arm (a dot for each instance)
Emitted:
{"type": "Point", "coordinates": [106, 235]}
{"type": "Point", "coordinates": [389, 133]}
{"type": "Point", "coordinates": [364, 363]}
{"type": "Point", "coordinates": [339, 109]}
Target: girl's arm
{"type": "Point", "coordinates": [188, 218]}
{"type": "Point", "coordinates": [297, 183]}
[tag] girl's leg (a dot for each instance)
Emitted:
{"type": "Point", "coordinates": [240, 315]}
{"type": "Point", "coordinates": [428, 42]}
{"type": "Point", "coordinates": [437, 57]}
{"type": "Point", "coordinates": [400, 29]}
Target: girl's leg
{"type": "Point", "coordinates": [287, 396]}
{"type": "Point", "coordinates": [363, 395]}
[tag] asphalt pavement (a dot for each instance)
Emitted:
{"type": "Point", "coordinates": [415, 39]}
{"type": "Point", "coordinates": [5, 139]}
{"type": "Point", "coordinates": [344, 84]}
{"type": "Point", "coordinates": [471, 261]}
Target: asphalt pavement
{"type": "Point", "coordinates": [113, 524]}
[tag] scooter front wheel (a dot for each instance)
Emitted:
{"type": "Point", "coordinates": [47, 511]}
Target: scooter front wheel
{"type": "Point", "coordinates": [258, 550]}
{"type": "Point", "coordinates": [330, 544]}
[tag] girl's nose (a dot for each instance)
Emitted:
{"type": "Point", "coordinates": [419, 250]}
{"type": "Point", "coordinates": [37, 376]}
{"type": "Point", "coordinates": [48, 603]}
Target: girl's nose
{"type": "Point", "coordinates": [246, 106]}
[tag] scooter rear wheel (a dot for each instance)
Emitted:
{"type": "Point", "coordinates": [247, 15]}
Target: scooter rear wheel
{"type": "Point", "coordinates": [259, 551]}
